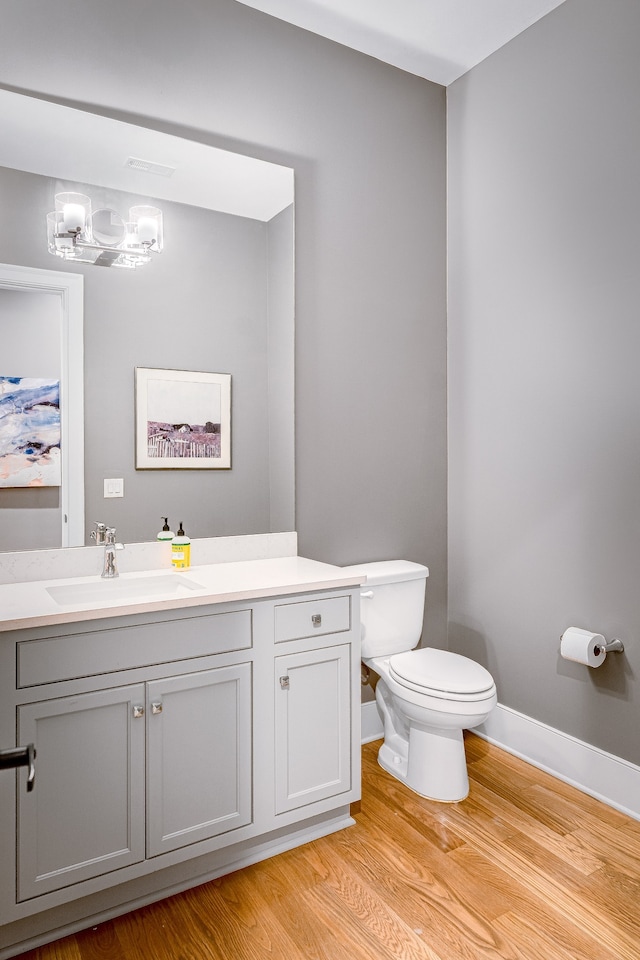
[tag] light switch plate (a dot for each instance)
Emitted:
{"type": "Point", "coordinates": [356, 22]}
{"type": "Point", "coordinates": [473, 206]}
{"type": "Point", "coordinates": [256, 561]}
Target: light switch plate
{"type": "Point", "coordinates": [114, 488]}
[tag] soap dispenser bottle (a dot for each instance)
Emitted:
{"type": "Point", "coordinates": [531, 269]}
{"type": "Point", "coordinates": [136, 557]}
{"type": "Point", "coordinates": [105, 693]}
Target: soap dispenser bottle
{"type": "Point", "coordinates": [181, 550]}
{"type": "Point", "coordinates": [165, 534]}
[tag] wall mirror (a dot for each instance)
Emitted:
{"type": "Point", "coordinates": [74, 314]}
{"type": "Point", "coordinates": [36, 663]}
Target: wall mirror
{"type": "Point", "coordinates": [218, 299]}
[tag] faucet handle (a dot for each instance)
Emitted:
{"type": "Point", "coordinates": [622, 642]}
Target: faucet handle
{"type": "Point", "coordinates": [99, 534]}
{"type": "Point", "coordinates": [111, 539]}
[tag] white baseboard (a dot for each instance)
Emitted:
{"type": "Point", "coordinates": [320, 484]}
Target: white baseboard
{"type": "Point", "coordinates": [602, 775]}
{"type": "Point", "coordinates": [372, 728]}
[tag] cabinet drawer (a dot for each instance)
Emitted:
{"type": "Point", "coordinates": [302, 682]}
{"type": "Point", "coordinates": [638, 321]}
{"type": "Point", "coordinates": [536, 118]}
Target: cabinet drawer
{"type": "Point", "coordinates": [312, 618]}
{"type": "Point", "coordinates": [123, 648]}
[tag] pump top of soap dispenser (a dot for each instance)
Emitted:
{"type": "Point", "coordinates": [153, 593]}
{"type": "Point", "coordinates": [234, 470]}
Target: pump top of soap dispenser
{"type": "Point", "coordinates": [166, 533]}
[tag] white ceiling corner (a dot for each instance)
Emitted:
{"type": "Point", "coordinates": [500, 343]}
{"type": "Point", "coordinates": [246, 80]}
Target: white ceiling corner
{"type": "Point", "coordinates": [436, 39]}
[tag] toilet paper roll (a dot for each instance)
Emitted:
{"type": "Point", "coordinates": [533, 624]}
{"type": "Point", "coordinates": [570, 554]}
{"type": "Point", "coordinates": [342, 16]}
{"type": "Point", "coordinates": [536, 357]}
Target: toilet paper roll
{"type": "Point", "coordinates": [582, 646]}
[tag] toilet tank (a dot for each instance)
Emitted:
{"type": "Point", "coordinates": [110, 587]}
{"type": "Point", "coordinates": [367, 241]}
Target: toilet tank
{"type": "Point", "coordinates": [392, 607]}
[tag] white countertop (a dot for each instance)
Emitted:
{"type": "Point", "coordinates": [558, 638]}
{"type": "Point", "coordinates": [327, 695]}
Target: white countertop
{"type": "Point", "coordinates": [31, 604]}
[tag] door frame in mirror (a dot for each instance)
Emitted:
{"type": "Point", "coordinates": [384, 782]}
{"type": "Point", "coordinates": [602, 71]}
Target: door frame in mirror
{"type": "Point", "coordinates": [69, 288]}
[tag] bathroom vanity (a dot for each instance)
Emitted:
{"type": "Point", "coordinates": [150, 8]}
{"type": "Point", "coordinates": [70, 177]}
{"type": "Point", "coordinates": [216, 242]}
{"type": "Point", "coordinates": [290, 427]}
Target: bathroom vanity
{"type": "Point", "coordinates": [179, 735]}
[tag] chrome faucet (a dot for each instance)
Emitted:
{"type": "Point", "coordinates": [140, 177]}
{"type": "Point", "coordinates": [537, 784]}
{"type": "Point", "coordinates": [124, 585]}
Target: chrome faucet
{"type": "Point", "coordinates": [110, 568]}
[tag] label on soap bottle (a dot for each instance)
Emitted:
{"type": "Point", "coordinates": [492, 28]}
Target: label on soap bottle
{"type": "Point", "coordinates": [181, 550]}
{"type": "Point", "coordinates": [180, 555]}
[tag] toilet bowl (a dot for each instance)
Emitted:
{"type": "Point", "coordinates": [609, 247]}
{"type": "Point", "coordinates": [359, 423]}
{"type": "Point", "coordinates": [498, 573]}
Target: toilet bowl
{"type": "Point", "coordinates": [426, 697]}
{"type": "Point", "coordinates": [424, 709]}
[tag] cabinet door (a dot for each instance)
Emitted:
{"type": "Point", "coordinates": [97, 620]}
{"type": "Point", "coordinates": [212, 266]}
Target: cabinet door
{"type": "Point", "coordinates": [199, 757]}
{"type": "Point", "coordinates": [85, 815]}
{"type": "Point", "coordinates": [313, 726]}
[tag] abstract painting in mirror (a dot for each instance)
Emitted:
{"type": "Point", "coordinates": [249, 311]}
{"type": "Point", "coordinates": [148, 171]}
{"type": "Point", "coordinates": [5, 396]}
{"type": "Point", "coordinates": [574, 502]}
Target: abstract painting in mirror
{"type": "Point", "coordinates": [29, 432]}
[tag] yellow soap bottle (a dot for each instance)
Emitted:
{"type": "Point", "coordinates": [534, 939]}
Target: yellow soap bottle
{"type": "Point", "coordinates": [180, 550]}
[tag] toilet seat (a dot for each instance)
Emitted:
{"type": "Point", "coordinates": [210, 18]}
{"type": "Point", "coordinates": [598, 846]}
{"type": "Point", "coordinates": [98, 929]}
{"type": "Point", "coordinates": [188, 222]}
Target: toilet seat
{"type": "Point", "coordinates": [441, 674]}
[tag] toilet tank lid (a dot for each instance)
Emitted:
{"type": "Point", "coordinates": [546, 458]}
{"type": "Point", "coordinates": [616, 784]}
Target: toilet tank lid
{"type": "Point", "coordinates": [389, 571]}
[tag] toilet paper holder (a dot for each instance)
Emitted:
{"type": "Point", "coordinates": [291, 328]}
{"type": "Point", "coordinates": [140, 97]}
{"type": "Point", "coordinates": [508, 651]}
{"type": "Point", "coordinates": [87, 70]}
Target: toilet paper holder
{"type": "Point", "coordinates": [614, 646]}
{"type": "Point", "coordinates": [611, 646]}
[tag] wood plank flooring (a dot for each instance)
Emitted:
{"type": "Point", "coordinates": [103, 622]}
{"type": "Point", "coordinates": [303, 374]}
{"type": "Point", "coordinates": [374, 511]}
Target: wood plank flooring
{"type": "Point", "coordinates": [527, 868]}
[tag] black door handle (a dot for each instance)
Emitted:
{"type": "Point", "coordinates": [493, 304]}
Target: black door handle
{"type": "Point", "coordinates": [20, 757]}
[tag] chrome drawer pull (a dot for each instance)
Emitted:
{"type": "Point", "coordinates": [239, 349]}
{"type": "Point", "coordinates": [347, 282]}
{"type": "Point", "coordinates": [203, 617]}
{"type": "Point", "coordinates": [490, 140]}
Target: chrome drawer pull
{"type": "Point", "coordinates": [156, 707]}
{"type": "Point", "coordinates": [316, 619]}
{"type": "Point", "coordinates": [284, 683]}
{"type": "Point", "coordinates": [138, 711]}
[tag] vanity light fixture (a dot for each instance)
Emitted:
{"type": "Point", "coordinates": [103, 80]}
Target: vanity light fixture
{"type": "Point", "coordinates": [103, 238]}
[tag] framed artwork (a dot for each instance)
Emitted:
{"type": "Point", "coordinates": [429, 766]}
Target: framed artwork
{"type": "Point", "coordinates": [183, 420]}
{"type": "Point", "coordinates": [30, 432]}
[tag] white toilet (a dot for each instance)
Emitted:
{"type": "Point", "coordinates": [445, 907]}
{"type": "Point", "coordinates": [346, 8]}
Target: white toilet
{"type": "Point", "coordinates": [426, 697]}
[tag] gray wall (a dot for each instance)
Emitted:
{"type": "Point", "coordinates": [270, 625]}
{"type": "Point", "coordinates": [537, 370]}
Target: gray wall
{"type": "Point", "coordinates": [544, 286]}
{"type": "Point", "coordinates": [202, 305]}
{"type": "Point", "coordinates": [367, 145]}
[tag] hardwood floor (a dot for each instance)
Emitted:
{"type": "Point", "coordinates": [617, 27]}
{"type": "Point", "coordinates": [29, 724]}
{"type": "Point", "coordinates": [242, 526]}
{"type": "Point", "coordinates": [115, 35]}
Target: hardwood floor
{"type": "Point", "coordinates": [527, 868]}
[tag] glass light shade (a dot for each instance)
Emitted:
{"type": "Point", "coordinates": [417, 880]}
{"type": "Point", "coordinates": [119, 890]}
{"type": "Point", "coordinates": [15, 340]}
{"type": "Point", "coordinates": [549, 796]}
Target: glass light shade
{"type": "Point", "coordinates": [54, 227]}
{"type": "Point", "coordinates": [108, 228]}
{"type": "Point", "coordinates": [147, 222]}
{"type": "Point", "coordinates": [131, 241]}
{"type": "Point", "coordinates": [73, 214]}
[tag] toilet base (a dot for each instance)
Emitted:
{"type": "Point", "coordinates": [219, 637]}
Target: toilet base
{"type": "Point", "coordinates": [432, 764]}
{"type": "Point", "coordinates": [429, 759]}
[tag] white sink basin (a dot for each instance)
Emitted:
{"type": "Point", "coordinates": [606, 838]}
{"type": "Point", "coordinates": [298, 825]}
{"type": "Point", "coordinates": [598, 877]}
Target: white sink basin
{"type": "Point", "coordinates": [111, 591]}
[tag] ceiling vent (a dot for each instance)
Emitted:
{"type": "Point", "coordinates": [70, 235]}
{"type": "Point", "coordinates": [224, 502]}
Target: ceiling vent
{"type": "Point", "coordinates": [148, 166]}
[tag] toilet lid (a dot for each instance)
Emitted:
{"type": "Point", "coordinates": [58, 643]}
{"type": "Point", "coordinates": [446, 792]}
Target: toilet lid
{"type": "Point", "coordinates": [440, 671]}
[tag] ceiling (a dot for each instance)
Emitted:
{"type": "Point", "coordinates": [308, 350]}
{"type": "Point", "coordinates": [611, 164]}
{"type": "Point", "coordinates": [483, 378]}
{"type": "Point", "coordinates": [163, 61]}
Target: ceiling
{"type": "Point", "coordinates": [435, 39]}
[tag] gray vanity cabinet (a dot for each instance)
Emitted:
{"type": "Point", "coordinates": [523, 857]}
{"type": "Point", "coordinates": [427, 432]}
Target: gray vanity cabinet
{"type": "Point", "coordinates": [86, 816]}
{"type": "Point", "coordinates": [172, 746]}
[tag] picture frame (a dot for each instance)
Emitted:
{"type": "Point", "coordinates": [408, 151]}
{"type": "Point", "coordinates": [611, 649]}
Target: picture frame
{"type": "Point", "coordinates": [183, 420]}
